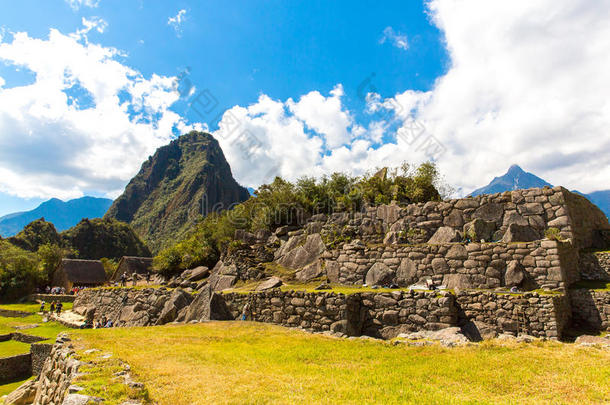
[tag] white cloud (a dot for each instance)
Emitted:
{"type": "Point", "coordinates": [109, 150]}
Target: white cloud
{"type": "Point", "coordinates": [397, 39]}
{"type": "Point", "coordinates": [86, 123]}
{"type": "Point", "coordinates": [76, 4]}
{"type": "Point", "coordinates": [176, 22]}
{"type": "Point", "coordinates": [524, 86]}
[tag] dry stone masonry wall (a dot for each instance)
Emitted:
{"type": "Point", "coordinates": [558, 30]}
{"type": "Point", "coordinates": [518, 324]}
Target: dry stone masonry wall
{"type": "Point", "coordinates": [475, 265]}
{"type": "Point", "coordinates": [591, 309]}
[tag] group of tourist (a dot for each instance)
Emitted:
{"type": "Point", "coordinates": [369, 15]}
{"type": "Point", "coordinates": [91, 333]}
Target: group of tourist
{"type": "Point", "coordinates": [55, 290]}
{"type": "Point", "coordinates": [56, 307]}
{"type": "Point", "coordinates": [134, 279]}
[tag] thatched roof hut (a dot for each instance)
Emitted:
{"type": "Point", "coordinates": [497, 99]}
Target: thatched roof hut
{"type": "Point", "coordinates": [81, 273]}
{"type": "Point", "coordinates": [130, 265]}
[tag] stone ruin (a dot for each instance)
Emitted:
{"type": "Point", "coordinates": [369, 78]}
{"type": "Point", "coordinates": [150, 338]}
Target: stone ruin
{"type": "Point", "coordinates": [541, 242]}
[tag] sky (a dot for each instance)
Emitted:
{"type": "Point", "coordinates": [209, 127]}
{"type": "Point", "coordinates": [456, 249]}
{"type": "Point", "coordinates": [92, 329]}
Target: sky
{"type": "Point", "coordinates": [90, 88]}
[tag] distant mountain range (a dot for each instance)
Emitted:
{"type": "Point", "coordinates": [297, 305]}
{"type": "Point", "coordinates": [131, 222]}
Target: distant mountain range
{"type": "Point", "coordinates": [63, 215]}
{"type": "Point", "coordinates": [516, 178]}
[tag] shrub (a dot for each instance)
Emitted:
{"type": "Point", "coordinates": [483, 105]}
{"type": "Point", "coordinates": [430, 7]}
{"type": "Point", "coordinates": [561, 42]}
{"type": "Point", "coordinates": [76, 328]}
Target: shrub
{"type": "Point", "coordinates": [553, 234]}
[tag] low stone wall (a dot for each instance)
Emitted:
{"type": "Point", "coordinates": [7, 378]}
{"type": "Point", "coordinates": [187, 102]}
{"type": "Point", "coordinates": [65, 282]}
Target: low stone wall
{"type": "Point", "coordinates": [23, 338]}
{"type": "Point", "coordinates": [39, 353]}
{"type": "Point", "coordinates": [590, 309]}
{"type": "Point", "coordinates": [57, 373]}
{"type": "Point", "coordinates": [595, 266]}
{"type": "Point", "coordinates": [132, 307]}
{"type": "Point", "coordinates": [475, 265]}
{"type": "Point", "coordinates": [15, 368]}
{"type": "Point", "coordinates": [51, 297]}
{"type": "Point", "coordinates": [540, 315]}
{"type": "Point", "coordinates": [373, 314]}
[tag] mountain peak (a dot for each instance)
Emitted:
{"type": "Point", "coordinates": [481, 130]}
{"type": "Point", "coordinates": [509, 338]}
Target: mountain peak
{"type": "Point", "coordinates": [514, 170]}
{"type": "Point", "coordinates": [514, 179]}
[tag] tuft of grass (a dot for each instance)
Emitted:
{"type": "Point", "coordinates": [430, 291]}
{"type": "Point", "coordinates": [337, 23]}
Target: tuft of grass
{"type": "Point", "coordinates": [99, 379]}
{"type": "Point", "coordinates": [244, 362]}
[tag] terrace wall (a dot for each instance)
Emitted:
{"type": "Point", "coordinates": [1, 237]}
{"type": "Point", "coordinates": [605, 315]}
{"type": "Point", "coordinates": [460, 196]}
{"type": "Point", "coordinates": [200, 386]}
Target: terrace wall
{"type": "Point", "coordinates": [548, 264]}
{"type": "Point", "coordinates": [590, 308]}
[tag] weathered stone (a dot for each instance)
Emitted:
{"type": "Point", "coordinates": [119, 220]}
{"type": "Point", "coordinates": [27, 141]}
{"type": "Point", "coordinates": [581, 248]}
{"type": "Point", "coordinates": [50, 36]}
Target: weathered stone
{"type": "Point", "coordinates": [480, 229]}
{"type": "Point", "coordinates": [23, 395]}
{"type": "Point", "coordinates": [457, 252]}
{"type": "Point", "coordinates": [519, 233]}
{"type": "Point", "coordinates": [454, 219]}
{"type": "Point", "coordinates": [406, 273]}
{"type": "Point", "coordinates": [310, 272]}
{"type": "Point", "coordinates": [198, 273]}
{"type": "Point", "coordinates": [452, 281]}
{"type": "Point", "coordinates": [489, 212]}
{"type": "Point", "coordinates": [222, 282]}
{"type": "Point", "coordinates": [445, 234]}
{"type": "Point", "coordinates": [300, 251]}
{"type": "Point", "coordinates": [269, 284]}
{"type": "Point", "coordinates": [439, 265]}
{"type": "Point", "coordinates": [379, 274]}
{"type": "Point", "coordinates": [178, 300]}
{"type": "Point", "coordinates": [515, 274]}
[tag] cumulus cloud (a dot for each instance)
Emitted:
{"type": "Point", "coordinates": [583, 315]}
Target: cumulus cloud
{"type": "Point", "coordinates": [523, 86]}
{"type": "Point", "coordinates": [176, 21]}
{"type": "Point", "coordinates": [86, 122]}
{"type": "Point", "coordinates": [76, 4]}
{"type": "Point", "coordinates": [397, 39]}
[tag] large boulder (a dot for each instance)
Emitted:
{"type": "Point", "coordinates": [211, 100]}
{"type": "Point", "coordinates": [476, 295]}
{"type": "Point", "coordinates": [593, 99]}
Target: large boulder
{"type": "Point", "coordinates": [480, 229]}
{"type": "Point", "coordinates": [198, 273]}
{"type": "Point", "coordinates": [300, 250]}
{"type": "Point", "coordinates": [520, 233]}
{"type": "Point", "coordinates": [515, 274]}
{"type": "Point", "coordinates": [445, 234]}
{"type": "Point", "coordinates": [406, 273]}
{"type": "Point", "coordinates": [177, 300]}
{"type": "Point", "coordinates": [490, 212]}
{"type": "Point", "coordinates": [269, 284]}
{"type": "Point", "coordinates": [310, 272]}
{"type": "Point", "coordinates": [220, 282]}
{"type": "Point", "coordinates": [461, 281]}
{"type": "Point", "coordinates": [379, 274]}
{"type": "Point", "coordinates": [207, 306]}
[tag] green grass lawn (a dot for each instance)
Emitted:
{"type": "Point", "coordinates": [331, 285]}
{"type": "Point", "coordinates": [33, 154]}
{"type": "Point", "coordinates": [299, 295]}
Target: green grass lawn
{"type": "Point", "coordinates": [8, 388]}
{"type": "Point", "coordinates": [33, 307]}
{"type": "Point", "coordinates": [12, 348]}
{"type": "Point", "coordinates": [238, 362]}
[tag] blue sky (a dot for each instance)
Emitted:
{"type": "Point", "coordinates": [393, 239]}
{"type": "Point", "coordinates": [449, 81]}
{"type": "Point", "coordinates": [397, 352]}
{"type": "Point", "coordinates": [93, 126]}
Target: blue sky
{"type": "Point", "coordinates": [86, 89]}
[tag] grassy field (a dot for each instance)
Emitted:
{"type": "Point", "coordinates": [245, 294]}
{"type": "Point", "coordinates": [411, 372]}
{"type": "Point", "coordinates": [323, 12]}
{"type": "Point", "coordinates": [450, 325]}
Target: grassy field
{"type": "Point", "coordinates": [12, 348]}
{"type": "Point", "coordinates": [232, 362]}
{"type": "Point", "coordinates": [8, 388]}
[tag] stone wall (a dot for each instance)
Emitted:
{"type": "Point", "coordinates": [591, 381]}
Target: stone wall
{"type": "Point", "coordinates": [540, 315]}
{"type": "Point", "coordinates": [590, 309]}
{"type": "Point", "coordinates": [51, 297]}
{"type": "Point", "coordinates": [475, 265]}
{"type": "Point", "coordinates": [15, 368]}
{"type": "Point", "coordinates": [132, 307]}
{"type": "Point", "coordinates": [595, 266]}
{"type": "Point", "coordinates": [57, 373]}
{"type": "Point", "coordinates": [373, 314]}
{"type": "Point", "coordinates": [39, 353]}
{"type": "Point", "coordinates": [574, 216]}
{"type": "Point", "coordinates": [9, 313]}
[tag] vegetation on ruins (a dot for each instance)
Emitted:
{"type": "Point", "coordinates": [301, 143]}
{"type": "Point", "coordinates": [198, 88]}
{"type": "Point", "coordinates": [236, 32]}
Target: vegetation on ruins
{"type": "Point", "coordinates": [286, 203]}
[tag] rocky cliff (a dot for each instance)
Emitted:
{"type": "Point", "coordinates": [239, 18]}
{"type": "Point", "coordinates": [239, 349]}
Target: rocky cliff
{"type": "Point", "coordinates": [181, 181]}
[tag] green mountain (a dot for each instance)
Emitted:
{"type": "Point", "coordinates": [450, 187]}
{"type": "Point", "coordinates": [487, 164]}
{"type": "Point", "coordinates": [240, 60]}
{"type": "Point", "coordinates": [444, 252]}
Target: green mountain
{"type": "Point", "coordinates": [97, 238]}
{"type": "Point", "coordinates": [62, 215]}
{"type": "Point", "coordinates": [174, 187]}
{"type": "Point", "coordinates": [90, 238]}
